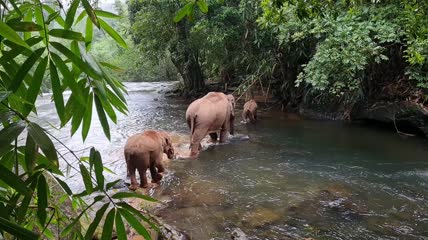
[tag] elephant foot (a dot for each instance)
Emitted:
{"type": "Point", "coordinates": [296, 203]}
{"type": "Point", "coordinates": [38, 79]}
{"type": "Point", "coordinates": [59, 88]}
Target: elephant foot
{"type": "Point", "coordinates": [157, 179]}
{"type": "Point", "coordinates": [144, 185]}
{"type": "Point", "coordinates": [133, 187]}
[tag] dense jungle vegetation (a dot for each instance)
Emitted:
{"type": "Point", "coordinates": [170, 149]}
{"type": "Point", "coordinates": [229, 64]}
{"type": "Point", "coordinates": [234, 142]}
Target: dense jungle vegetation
{"type": "Point", "coordinates": [325, 55]}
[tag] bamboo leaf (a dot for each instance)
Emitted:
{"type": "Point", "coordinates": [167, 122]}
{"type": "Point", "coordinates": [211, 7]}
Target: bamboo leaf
{"type": "Point", "coordinates": [120, 227]}
{"type": "Point", "coordinates": [42, 199]}
{"type": "Point", "coordinates": [87, 117]}
{"type": "Point", "coordinates": [39, 136]}
{"type": "Point", "coordinates": [183, 11]}
{"type": "Point", "coordinates": [121, 195]}
{"type": "Point", "coordinates": [90, 11]}
{"type": "Point", "coordinates": [88, 33]}
{"type": "Point", "coordinates": [135, 223]}
{"type": "Point", "coordinates": [52, 17]}
{"type": "Point", "coordinates": [101, 13]}
{"type": "Point", "coordinates": [71, 13]}
{"type": "Point", "coordinates": [98, 164]}
{"type": "Point", "coordinates": [68, 78]}
{"type": "Point", "coordinates": [138, 214]}
{"type": "Point", "coordinates": [35, 85]}
{"type": "Point", "coordinates": [9, 33]}
{"type": "Point", "coordinates": [75, 59]}
{"type": "Point", "coordinates": [11, 132]}
{"type": "Point", "coordinates": [66, 34]}
{"type": "Point", "coordinates": [13, 180]}
{"type": "Point", "coordinates": [25, 68]}
{"type": "Point", "coordinates": [51, 11]}
{"type": "Point", "coordinates": [112, 67]}
{"type": "Point", "coordinates": [86, 179]}
{"type": "Point", "coordinates": [81, 16]}
{"type": "Point", "coordinates": [30, 154]}
{"type": "Point", "coordinates": [17, 230]}
{"type": "Point", "coordinates": [93, 226]}
{"type": "Point", "coordinates": [108, 225]}
{"type": "Point", "coordinates": [203, 6]}
{"type": "Point", "coordinates": [25, 26]}
{"type": "Point", "coordinates": [110, 31]}
{"type": "Point", "coordinates": [64, 186]}
{"type": "Point", "coordinates": [57, 91]}
{"type": "Point", "coordinates": [102, 116]}
{"type": "Point", "coordinates": [111, 184]}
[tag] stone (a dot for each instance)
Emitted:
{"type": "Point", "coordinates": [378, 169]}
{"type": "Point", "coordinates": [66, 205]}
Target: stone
{"type": "Point", "coordinates": [260, 217]}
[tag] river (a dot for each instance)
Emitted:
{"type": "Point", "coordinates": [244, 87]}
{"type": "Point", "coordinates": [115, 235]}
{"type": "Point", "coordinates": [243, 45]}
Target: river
{"type": "Point", "coordinates": [278, 179]}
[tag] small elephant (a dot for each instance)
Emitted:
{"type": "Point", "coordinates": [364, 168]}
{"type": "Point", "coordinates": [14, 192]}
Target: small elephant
{"type": "Point", "coordinates": [145, 150]}
{"type": "Point", "coordinates": [250, 111]}
{"type": "Point", "coordinates": [207, 115]}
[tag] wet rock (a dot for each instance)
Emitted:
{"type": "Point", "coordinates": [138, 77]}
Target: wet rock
{"type": "Point", "coordinates": [155, 99]}
{"type": "Point", "coordinates": [238, 234]}
{"type": "Point", "coordinates": [260, 217]}
{"type": "Point", "coordinates": [408, 116]}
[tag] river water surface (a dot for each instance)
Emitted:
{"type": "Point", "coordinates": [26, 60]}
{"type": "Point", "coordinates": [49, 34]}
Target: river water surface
{"type": "Point", "coordinates": [277, 179]}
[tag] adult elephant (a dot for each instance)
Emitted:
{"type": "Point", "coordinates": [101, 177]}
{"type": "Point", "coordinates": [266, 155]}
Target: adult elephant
{"type": "Point", "coordinates": [213, 113]}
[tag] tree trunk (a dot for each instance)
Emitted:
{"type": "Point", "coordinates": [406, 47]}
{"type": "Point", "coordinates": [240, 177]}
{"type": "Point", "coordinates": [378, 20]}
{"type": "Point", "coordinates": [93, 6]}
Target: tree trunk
{"type": "Point", "coordinates": [186, 60]}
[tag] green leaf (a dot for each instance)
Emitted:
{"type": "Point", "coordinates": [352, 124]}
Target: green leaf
{"type": "Point", "coordinates": [30, 154]}
{"type": "Point", "coordinates": [135, 223]}
{"type": "Point", "coordinates": [11, 132]}
{"type": "Point", "coordinates": [51, 11]}
{"type": "Point", "coordinates": [81, 16]}
{"type": "Point", "coordinates": [202, 6]}
{"type": "Point", "coordinates": [25, 26]}
{"type": "Point", "coordinates": [38, 13]}
{"type": "Point", "coordinates": [120, 227]}
{"type": "Point", "coordinates": [17, 230]}
{"type": "Point", "coordinates": [64, 186]}
{"type": "Point", "coordinates": [102, 116]}
{"type": "Point", "coordinates": [110, 31]}
{"type": "Point", "coordinates": [10, 34]}
{"type": "Point", "coordinates": [71, 13]}
{"type": "Point", "coordinates": [121, 195]}
{"type": "Point", "coordinates": [42, 199]}
{"type": "Point", "coordinates": [107, 107]}
{"type": "Point", "coordinates": [138, 214]}
{"type": "Point", "coordinates": [86, 178]}
{"type": "Point", "coordinates": [90, 11]}
{"type": "Point", "coordinates": [57, 91]}
{"type": "Point", "coordinates": [13, 180]}
{"type": "Point", "coordinates": [66, 34]}
{"type": "Point", "coordinates": [35, 85]}
{"type": "Point", "coordinates": [68, 78]}
{"type": "Point", "coordinates": [98, 164]}
{"type": "Point", "coordinates": [108, 225]}
{"type": "Point", "coordinates": [93, 226]}
{"type": "Point", "coordinates": [101, 13]}
{"type": "Point", "coordinates": [25, 68]}
{"type": "Point", "coordinates": [52, 17]}
{"type": "Point", "coordinates": [112, 67]}
{"type": "Point", "coordinates": [39, 136]}
{"type": "Point", "coordinates": [183, 11]}
{"type": "Point", "coordinates": [28, 18]}
{"type": "Point", "coordinates": [111, 184]}
{"type": "Point", "coordinates": [75, 59]}
{"type": "Point", "coordinates": [87, 117]}
{"type": "Point", "coordinates": [89, 32]}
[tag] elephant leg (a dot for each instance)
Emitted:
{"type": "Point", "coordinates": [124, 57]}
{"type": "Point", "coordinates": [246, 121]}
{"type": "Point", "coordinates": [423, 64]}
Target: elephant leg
{"type": "Point", "coordinates": [143, 177]}
{"type": "Point", "coordinates": [131, 171]}
{"type": "Point", "coordinates": [213, 137]}
{"type": "Point", "coordinates": [195, 145]}
{"type": "Point", "coordinates": [223, 135]}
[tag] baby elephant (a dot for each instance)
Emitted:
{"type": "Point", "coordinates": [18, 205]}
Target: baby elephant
{"type": "Point", "coordinates": [250, 111]}
{"type": "Point", "coordinates": [145, 150]}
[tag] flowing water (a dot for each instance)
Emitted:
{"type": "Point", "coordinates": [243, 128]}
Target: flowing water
{"type": "Point", "coordinates": [278, 179]}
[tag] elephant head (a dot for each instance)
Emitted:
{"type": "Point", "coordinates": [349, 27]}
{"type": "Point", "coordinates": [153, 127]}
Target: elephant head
{"type": "Point", "coordinates": [168, 149]}
{"type": "Point", "coordinates": [231, 100]}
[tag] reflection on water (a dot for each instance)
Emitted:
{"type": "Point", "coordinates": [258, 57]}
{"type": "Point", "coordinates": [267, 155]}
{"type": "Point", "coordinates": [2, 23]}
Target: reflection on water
{"type": "Point", "coordinates": [278, 179]}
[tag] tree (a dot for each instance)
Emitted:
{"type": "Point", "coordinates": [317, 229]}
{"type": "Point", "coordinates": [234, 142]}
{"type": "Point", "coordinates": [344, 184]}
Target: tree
{"type": "Point", "coordinates": [39, 38]}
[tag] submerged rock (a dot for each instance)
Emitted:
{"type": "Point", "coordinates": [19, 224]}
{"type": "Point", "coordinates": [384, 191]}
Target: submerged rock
{"type": "Point", "coordinates": [238, 234]}
{"type": "Point", "coordinates": [260, 217]}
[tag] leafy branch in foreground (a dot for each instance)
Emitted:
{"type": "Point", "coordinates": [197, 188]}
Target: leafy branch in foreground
{"type": "Point", "coordinates": [38, 41]}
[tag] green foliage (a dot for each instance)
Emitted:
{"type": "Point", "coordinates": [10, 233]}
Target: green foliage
{"type": "Point", "coordinates": [43, 41]}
